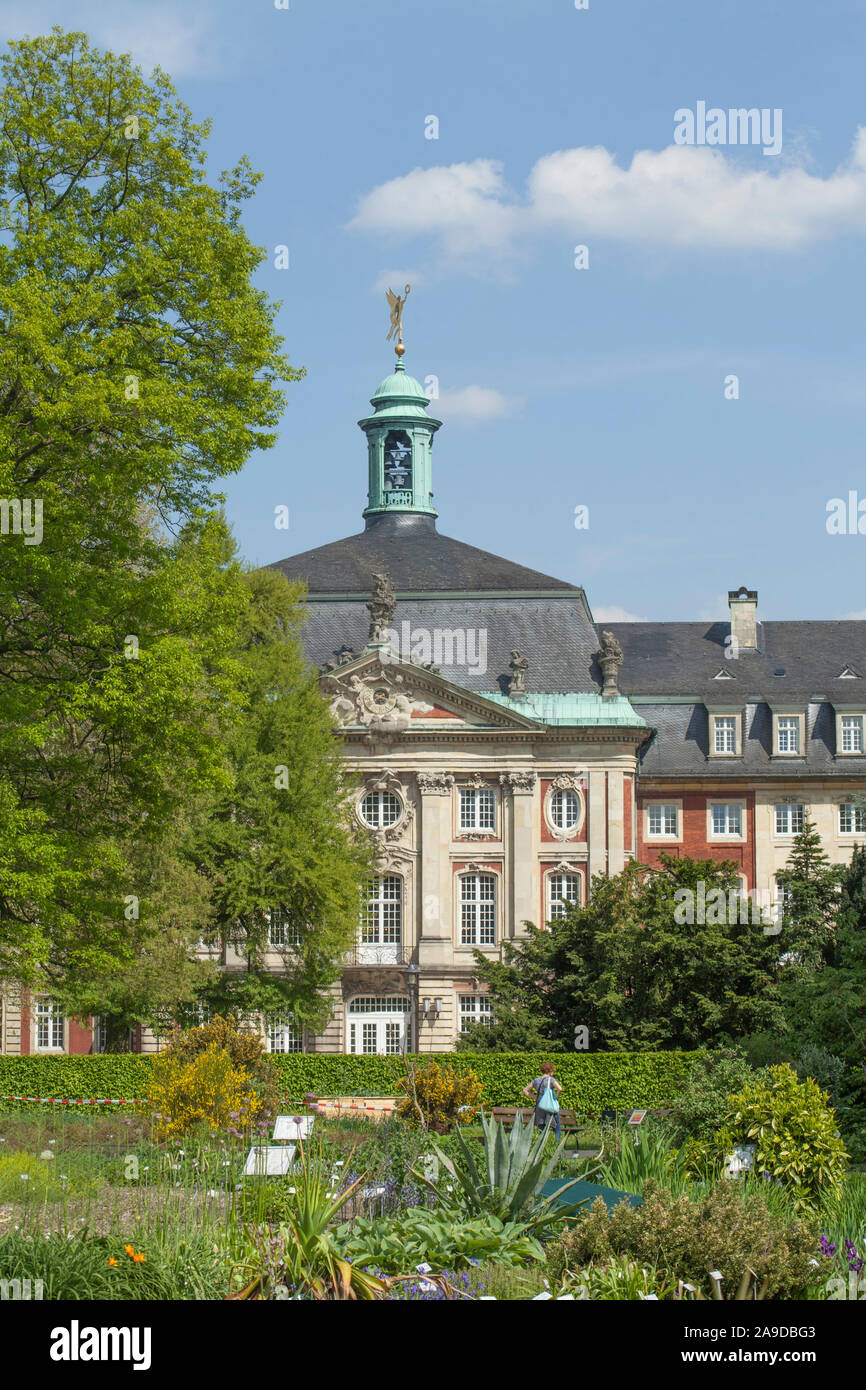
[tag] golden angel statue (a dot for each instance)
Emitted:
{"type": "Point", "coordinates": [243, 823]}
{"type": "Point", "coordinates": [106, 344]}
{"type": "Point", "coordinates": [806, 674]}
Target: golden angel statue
{"type": "Point", "coordinates": [397, 301]}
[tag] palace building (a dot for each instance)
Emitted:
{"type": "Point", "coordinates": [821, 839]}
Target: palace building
{"type": "Point", "coordinates": [508, 749]}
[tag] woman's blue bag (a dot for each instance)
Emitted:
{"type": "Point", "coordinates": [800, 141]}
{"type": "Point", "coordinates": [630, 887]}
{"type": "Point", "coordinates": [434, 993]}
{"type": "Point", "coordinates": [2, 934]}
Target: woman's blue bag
{"type": "Point", "coordinates": [547, 1100]}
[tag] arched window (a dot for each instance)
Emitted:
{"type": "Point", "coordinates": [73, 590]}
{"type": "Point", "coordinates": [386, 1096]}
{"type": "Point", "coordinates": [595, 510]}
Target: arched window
{"type": "Point", "coordinates": [381, 921]}
{"type": "Point", "coordinates": [564, 809]}
{"type": "Point", "coordinates": [478, 910]}
{"type": "Point", "coordinates": [563, 891]}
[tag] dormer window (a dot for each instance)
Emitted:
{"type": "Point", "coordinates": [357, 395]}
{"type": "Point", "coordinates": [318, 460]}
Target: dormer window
{"type": "Point", "coordinates": [850, 732]}
{"type": "Point", "coordinates": [789, 733]}
{"type": "Point", "coordinates": [725, 736]}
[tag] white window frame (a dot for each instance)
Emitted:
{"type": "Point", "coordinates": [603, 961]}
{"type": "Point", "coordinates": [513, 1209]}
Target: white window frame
{"type": "Point", "coordinates": [560, 797]}
{"type": "Point", "coordinates": [383, 1019]}
{"type": "Point", "coordinates": [726, 714]}
{"type": "Point", "coordinates": [789, 717]}
{"type": "Point", "coordinates": [474, 806]}
{"type": "Point", "coordinates": [281, 934]}
{"type": "Point", "coordinates": [557, 905]}
{"type": "Point", "coordinates": [843, 716]}
{"type": "Point", "coordinates": [676, 807]}
{"type": "Point", "coordinates": [730, 835]}
{"type": "Point", "coordinates": [788, 810]}
{"type": "Point", "coordinates": [472, 923]}
{"type": "Point", "coordinates": [47, 1017]}
{"type": "Point", "coordinates": [725, 732]}
{"type": "Point", "coordinates": [855, 812]}
{"type": "Point", "coordinates": [381, 922]}
{"type": "Point", "coordinates": [474, 1008]}
{"type": "Point", "coordinates": [282, 1034]}
{"type": "Point", "coordinates": [385, 814]}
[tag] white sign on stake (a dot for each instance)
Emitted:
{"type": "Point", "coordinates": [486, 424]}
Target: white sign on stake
{"type": "Point", "coordinates": [293, 1127]}
{"type": "Point", "coordinates": [269, 1161]}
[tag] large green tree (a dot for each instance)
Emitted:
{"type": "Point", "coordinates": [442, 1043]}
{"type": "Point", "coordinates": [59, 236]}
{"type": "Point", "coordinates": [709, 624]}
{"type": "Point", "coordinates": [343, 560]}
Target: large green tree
{"type": "Point", "coordinates": [280, 853]}
{"type": "Point", "coordinates": [661, 957]}
{"type": "Point", "coordinates": [139, 364]}
{"type": "Point", "coordinates": [810, 899]}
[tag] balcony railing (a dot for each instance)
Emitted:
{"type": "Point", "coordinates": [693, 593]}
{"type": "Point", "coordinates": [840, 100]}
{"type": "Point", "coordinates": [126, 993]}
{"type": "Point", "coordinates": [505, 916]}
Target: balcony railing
{"type": "Point", "coordinates": [379, 953]}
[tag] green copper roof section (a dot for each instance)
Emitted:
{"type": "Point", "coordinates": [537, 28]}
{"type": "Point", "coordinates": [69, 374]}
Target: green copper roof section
{"type": "Point", "coordinates": [571, 708]}
{"type": "Point", "coordinates": [399, 445]}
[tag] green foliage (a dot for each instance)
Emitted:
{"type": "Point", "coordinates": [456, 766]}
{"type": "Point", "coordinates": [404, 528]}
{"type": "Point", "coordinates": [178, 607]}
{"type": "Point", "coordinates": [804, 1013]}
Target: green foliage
{"type": "Point", "coordinates": [139, 365]}
{"type": "Point", "coordinates": [794, 1131]}
{"type": "Point", "coordinates": [701, 1105]}
{"type": "Point", "coordinates": [279, 847]}
{"type": "Point", "coordinates": [418, 1236]}
{"type": "Point", "coordinates": [826, 1070]}
{"type": "Point", "coordinates": [811, 887]}
{"type": "Point", "coordinates": [507, 1183]}
{"type": "Point", "coordinates": [617, 1279]}
{"type": "Point", "coordinates": [632, 969]}
{"type": "Point", "coordinates": [724, 1229]}
{"type": "Point", "coordinates": [648, 1157]}
{"type": "Point", "coordinates": [438, 1097]}
{"type": "Point", "coordinates": [590, 1081]}
{"type": "Point", "coordinates": [194, 1266]}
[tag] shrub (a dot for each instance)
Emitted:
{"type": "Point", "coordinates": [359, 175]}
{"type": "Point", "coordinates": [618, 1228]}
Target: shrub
{"type": "Point", "coordinates": [724, 1229]}
{"type": "Point", "coordinates": [825, 1069]}
{"type": "Point", "coordinates": [397, 1245]}
{"type": "Point", "coordinates": [438, 1097]}
{"type": "Point", "coordinates": [794, 1130]}
{"type": "Point", "coordinates": [207, 1090]}
{"type": "Point", "coordinates": [700, 1107]}
{"type": "Point", "coordinates": [245, 1048]}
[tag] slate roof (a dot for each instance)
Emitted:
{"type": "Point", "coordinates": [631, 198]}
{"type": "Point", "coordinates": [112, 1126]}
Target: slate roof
{"type": "Point", "coordinates": [417, 558]}
{"type": "Point", "coordinates": [680, 745]}
{"type": "Point", "coordinates": [554, 633]}
{"type": "Point", "coordinates": [685, 658]}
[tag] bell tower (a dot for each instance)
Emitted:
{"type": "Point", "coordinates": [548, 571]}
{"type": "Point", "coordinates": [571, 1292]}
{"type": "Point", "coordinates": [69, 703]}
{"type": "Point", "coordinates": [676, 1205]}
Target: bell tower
{"type": "Point", "coordinates": [399, 446]}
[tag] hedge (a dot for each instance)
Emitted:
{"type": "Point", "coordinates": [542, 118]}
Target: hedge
{"type": "Point", "coordinates": [590, 1080]}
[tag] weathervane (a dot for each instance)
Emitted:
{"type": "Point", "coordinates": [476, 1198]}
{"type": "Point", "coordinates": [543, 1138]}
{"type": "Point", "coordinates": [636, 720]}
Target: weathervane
{"type": "Point", "coordinates": [397, 301]}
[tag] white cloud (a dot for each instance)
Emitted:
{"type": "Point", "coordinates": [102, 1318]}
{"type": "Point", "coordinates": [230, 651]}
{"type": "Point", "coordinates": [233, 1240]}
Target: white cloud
{"type": "Point", "coordinates": [717, 610]}
{"type": "Point", "coordinates": [612, 613]}
{"type": "Point", "coordinates": [184, 44]}
{"type": "Point", "coordinates": [474, 404]}
{"type": "Point", "coordinates": [854, 617]}
{"type": "Point", "coordinates": [681, 196]}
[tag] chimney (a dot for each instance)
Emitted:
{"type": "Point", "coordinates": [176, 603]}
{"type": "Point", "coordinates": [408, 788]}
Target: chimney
{"type": "Point", "coordinates": [743, 604]}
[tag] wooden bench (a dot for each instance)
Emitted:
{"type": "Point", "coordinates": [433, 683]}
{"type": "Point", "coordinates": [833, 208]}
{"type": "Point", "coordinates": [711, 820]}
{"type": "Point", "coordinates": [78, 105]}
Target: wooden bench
{"type": "Point", "coordinates": [570, 1121]}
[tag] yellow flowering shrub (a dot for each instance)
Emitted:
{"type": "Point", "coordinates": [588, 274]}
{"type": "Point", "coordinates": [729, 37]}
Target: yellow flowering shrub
{"type": "Point", "coordinates": [444, 1096]}
{"type": "Point", "coordinates": [206, 1089]}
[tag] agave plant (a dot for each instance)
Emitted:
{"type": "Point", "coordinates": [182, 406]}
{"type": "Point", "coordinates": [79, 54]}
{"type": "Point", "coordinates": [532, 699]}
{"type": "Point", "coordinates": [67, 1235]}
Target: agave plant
{"type": "Point", "coordinates": [509, 1183]}
{"type": "Point", "coordinates": [302, 1255]}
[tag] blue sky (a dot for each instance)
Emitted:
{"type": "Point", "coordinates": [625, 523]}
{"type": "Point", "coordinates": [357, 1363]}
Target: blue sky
{"type": "Point", "coordinates": [560, 387]}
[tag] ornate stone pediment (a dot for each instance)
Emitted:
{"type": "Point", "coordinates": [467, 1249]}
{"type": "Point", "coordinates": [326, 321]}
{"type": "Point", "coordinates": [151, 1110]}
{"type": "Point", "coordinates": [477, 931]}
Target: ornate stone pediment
{"type": "Point", "coordinates": [386, 695]}
{"type": "Point", "coordinates": [435, 783]}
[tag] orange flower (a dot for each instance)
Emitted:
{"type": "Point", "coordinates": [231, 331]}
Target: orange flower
{"type": "Point", "coordinates": [138, 1259]}
{"type": "Point", "coordinates": [112, 1261]}
{"type": "Point", "coordinates": [129, 1250]}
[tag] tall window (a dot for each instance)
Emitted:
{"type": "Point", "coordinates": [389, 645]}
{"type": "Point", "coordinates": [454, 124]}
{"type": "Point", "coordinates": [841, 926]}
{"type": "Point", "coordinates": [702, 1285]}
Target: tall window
{"type": "Point", "coordinates": [475, 1008]}
{"type": "Point", "coordinates": [852, 733]}
{"type": "Point", "coordinates": [788, 733]}
{"type": "Point", "coordinates": [662, 820]}
{"type": "Point", "coordinates": [789, 819]}
{"type": "Point", "coordinates": [380, 809]}
{"type": "Point", "coordinates": [100, 1033]}
{"type": "Point", "coordinates": [382, 911]}
{"type": "Point", "coordinates": [564, 809]}
{"type": "Point", "coordinates": [725, 734]}
{"type": "Point", "coordinates": [282, 932]}
{"type": "Point", "coordinates": [283, 1034]}
{"type": "Point", "coordinates": [563, 891]}
{"type": "Point", "coordinates": [478, 910]}
{"type": "Point", "coordinates": [784, 899]}
{"type": "Point", "coordinates": [852, 819]}
{"type": "Point", "coordinates": [477, 808]}
{"type": "Point", "coordinates": [49, 1026]}
{"type": "Point", "coordinates": [727, 819]}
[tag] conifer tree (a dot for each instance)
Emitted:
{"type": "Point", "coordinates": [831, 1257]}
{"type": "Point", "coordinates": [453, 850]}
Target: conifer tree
{"type": "Point", "coordinates": [810, 900]}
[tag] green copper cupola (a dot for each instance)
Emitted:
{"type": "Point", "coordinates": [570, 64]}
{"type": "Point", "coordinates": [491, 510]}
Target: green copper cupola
{"type": "Point", "coordinates": [399, 445]}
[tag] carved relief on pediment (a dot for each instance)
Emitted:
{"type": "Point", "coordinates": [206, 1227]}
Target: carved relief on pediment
{"type": "Point", "coordinates": [378, 701]}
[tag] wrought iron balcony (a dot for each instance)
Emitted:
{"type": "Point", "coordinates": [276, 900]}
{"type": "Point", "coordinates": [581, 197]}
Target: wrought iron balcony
{"type": "Point", "coordinates": [379, 953]}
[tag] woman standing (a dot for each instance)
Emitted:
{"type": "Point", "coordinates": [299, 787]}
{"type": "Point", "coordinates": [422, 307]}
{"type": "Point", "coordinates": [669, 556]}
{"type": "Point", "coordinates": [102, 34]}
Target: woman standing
{"type": "Point", "coordinates": [546, 1090]}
